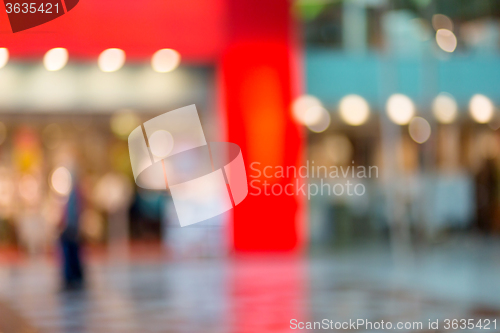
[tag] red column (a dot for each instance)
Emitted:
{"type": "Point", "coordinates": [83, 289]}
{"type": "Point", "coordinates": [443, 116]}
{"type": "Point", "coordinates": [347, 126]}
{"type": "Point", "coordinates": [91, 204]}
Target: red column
{"type": "Point", "coordinates": [258, 73]}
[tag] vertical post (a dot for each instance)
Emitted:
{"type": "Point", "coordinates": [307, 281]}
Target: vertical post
{"type": "Point", "coordinates": [354, 27]}
{"type": "Point", "coordinates": [256, 79]}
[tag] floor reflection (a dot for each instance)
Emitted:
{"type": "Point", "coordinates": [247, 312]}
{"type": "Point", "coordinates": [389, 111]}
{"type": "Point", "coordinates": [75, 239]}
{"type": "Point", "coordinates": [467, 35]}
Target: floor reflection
{"type": "Point", "coordinates": [262, 293]}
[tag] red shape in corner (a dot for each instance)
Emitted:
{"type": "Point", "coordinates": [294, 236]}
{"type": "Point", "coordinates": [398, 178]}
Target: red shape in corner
{"type": "Point", "coordinates": [26, 14]}
{"type": "Point", "coordinates": [70, 4]}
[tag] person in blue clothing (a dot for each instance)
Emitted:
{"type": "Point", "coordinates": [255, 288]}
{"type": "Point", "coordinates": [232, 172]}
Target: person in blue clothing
{"type": "Point", "coordinates": [72, 269]}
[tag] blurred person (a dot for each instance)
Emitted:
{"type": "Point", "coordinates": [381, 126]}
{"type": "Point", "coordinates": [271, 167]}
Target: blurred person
{"type": "Point", "coordinates": [65, 183]}
{"type": "Point", "coordinates": [73, 275]}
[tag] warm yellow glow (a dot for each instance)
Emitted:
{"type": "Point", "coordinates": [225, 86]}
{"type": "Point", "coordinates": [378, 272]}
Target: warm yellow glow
{"type": "Point", "coordinates": [354, 110]}
{"type": "Point", "coordinates": [481, 108]}
{"type": "Point", "coordinates": [61, 181]}
{"type": "Point", "coordinates": [301, 105]}
{"type": "Point", "coordinates": [419, 129]}
{"type": "Point", "coordinates": [112, 192]}
{"type": "Point", "coordinates": [339, 149]}
{"type": "Point", "coordinates": [123, 122]}
{"type": "Point", "coordinates": [400, 109]}
{"type": "Point", "coordinates": [165, 60]}
{"type": "Point", "coordinates": [55, 59]}
{"type": "Point", "coordinates": [445, 108]}
{"type": "Point", "coordinates": [111, 60]}
{"type": "Point", "coordinates": [4, 57]}
{"type": "Point", "coordinates": [446, 40]}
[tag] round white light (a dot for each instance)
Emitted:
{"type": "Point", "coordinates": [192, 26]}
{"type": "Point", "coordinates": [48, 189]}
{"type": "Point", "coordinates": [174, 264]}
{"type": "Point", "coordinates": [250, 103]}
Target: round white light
{"type": "Point", "coordinates": [111, 60]}
{"type": "Point", "coordinates": [419, 129]}
{"type": "Point", "coordinates": [301, 105]}
{"type": "Point", "coordinates": [354, 110]}
{"type": "Point", "coordinates": [481, 108]}
{"type": "Point", "coordinates": [61, 181]}
{"type": "Point", "coordinates": [445, 108]}
{"type": "Point", "coordinates": [165, 60]}
{"type": "Point", "coordinates": [446, 40]}
{"type": "Point", "coordinates": [4, 57]}
{"type": "Point", "coordinates": [313, 115]}
{"type": "Point", "coordinates": [55, 59]}
{"type": "Point", "coordinates": [400, 109]}
{"type": "Point", "coordinates": [317, 119]}
{"type": "Point", "coordinates": [161, 143]}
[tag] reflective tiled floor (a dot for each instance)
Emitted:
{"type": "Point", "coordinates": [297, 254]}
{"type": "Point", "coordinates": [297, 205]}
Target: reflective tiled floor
{"type": "Point", "coordinates": [458, 279]}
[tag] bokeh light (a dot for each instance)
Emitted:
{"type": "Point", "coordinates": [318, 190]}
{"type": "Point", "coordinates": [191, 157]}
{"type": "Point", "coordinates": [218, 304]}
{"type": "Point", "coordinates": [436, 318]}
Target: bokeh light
{"type": "Point", "coordinates": [301, 105]}
{"type": "Point", "coordinates": [494, 123]}
{"type": "Point", "coordinates": [440, 21]}
{"type": "Point", "coordinates": [481, 108]}
{"type": "Point", "coordinates": [165, 60]}
{"type": "Point", "coordinates": [123, 122]}
{"type": "Point", "coordinates": [29, 189]}
{"type": "Point", "coordinates": [446, 40]}
{"type": "Point", "coordinates": [400, 109]}
{"type": "Point", "coordinates": [4, 57]}
{"type": "Point", "coordinates": [112, 192]}
{"type": "Point", "coordinates": [445, 108]}
{"type": "Point", "coordinates": [60, 181]}
{"type": "Point", "coordinates": [6, 192]}
{"type": "Point", "coordinates": [339, 149]}
{"type": "Point", "coordinates": [354, 110]}
{"type": "Point", "coordinates": [419, 129]}
{"type": "Point", "coordinates": [317, 119]}
{"type": "Point", "coordinates": [111, 60]}
{"type": "Point", "coordinates": [55, 59]}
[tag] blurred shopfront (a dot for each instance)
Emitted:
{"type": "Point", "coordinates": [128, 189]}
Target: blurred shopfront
{"type": "Point", "coordinates": [77, 121]}
{"type": "Point", "coordinates": [437, 166]}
